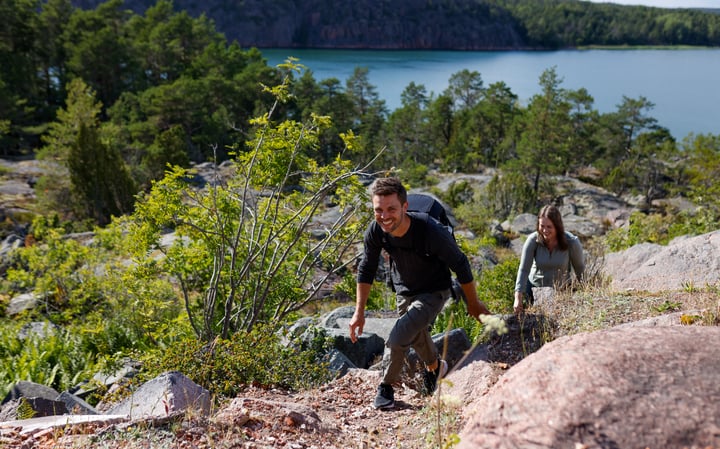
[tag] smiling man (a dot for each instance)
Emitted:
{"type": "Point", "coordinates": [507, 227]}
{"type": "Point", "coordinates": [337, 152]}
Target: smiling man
{"type": "Point", "coordinates": [421, 279]}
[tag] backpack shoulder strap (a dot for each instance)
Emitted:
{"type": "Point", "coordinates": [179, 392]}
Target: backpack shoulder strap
{"type": "Point", "coordinates": [420, 232]}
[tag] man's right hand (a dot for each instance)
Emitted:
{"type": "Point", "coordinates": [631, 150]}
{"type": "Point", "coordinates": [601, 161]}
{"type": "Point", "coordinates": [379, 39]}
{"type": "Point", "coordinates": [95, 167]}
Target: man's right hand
{"type": "Point", "coordinates": [357, 323]}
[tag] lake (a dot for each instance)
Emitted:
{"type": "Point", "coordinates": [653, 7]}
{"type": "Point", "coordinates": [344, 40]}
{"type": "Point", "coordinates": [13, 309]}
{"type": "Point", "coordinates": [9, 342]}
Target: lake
{"type": "Point", "coordinates": [683, 84]}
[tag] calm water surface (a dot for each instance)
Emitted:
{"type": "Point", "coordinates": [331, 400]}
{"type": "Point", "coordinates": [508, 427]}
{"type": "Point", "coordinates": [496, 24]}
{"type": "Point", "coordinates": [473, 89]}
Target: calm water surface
{"type": "Point", "coordinates": [684, 85]}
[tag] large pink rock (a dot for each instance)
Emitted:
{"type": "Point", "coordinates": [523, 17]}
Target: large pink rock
{"type": "Point", "coordinates": [629, 387]}
{"type": "Point", "coordinates": [684, 262]}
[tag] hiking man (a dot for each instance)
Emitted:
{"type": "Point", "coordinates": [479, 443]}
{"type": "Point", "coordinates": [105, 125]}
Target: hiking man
{"type": "Point", "coordinates": [421, 279]}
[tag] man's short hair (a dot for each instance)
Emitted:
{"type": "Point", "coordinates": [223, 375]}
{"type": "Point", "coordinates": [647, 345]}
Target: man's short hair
{"type": "Point", "coordinates": [389, 186]}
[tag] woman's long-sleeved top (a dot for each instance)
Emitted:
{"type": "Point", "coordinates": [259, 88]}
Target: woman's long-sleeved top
{"type": "Point", "coordinates": [545, 269]}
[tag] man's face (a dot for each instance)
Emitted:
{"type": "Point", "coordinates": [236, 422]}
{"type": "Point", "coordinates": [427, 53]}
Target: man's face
{"type": "Point", "coordinates": [389, 212]}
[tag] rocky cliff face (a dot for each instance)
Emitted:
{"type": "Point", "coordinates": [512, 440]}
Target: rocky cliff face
{"type": "Point", "coordinates": [384, 24]}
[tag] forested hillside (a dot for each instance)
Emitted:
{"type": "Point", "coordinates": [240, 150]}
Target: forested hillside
{"type": "Point", "coordinates": [446, 24]}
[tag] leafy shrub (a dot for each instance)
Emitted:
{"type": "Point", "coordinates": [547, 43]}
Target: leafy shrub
{"type": "Point", "coordinates": [380, 298]}
{"type": "Point", "coordinates": [506, 194]}
{"type": "Point", "coordinates": [104, 307]}
{"type": "Point", "coordinates": [241, 257]}
{"type": "Point", "coordinates": [459, 192]}
{"type": "Point", "coordinates": [455, 316]}
{"type": "Point", "coordinates": [495, 288]}
{"type": "Point", "coordinates": [642, 228]}
{"type": "Point", "coordinates": [661, 228]}
{"type": "Point", "coordinates": [57, 359]}
{"type": "Point", "coordinates": [254, 358]}
{"type": "Point", "coordinates": [415, 173]}
{"type": "Point", "coordinates": [474, 218]}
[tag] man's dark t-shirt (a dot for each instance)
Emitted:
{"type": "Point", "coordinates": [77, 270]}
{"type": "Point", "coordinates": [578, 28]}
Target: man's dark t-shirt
{"type": "Point", "coordinates": [415, 270]}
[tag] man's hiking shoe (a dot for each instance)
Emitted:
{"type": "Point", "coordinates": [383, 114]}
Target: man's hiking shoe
{"type": "Point", "coordinates": [431, 378]}
{"type": "Point", "coordinates": [385, 397]}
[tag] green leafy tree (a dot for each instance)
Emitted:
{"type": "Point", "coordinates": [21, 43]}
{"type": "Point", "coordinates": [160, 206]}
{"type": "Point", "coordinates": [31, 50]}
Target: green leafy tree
{"type": "Point", "coordinates": [648, 166]}
{"type": "Point", "coordinates": [369, 112]}
{"type": "Point", "coordinates": [441, 120]}
{"type": "Point", "coordinates": [21, 99]}
{"type": "Point", "coordinates": [54, 17]}
{"type": "Point", "coordinates": [244, 253]}
{"type": "Point", "coordinates": [99, 178]}
{"type": "Point", "coordinates": [507, 194]}
{"type": "Point", "coordinates": [99, 51]}
{"type": "Point", "coordinates": [494, 118]}
{"type": "Point", "coordinates": [465, 88]}
{"type": "Point", "coordinates": [699, 181]}
{"type": "Point", "coordinates": [450, 117]}
{"type": "Point", "coordinates": [584, 122]}
{"type": "Point", "coordinates": [327, 98]}
{"type": "Point", "coordinates": [621, 131]}
{"type": "Point", "coordinates": [86, 177]}
{"type": "Point", "coordinates": [169, 148]}
{"type": "Point", "coordinates": [407, 127]}
{"type": "Point", "coordinates": [195, 83]}
{"type": "Point", "coordinates": [545, 131]}
{"type": "Point", "coordinates": [54, 189]}
{"type": "Point", "coordinates": [703, 168]}
{"type": "Point", "coordinates": [168, 42]}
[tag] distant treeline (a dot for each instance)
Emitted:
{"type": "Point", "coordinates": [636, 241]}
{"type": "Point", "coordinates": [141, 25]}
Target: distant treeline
{"type": "Point", "coordinates": [570, 23]}
{"type": "Point", "coordinates": [111, 98]}
{"type": "Point", "coordinates": [447, 24]}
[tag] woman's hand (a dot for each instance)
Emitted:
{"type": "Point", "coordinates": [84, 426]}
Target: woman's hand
{"type": "Point", "coordinates": [518, 304]}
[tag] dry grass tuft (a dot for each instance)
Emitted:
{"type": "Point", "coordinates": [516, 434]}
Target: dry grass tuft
{"type": "Point", "coordinates": [593, 308]}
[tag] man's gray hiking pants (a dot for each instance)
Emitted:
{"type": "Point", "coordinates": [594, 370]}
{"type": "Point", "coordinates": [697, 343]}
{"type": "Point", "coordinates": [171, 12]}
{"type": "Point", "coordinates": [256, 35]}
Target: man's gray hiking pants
{"type": "Point", "coordinates": [412, 329]}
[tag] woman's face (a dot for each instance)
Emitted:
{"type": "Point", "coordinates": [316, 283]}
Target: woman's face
{"type": "Point", "coordinates": [547, 229]}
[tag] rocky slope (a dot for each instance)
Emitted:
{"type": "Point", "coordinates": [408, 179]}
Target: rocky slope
{"type": "Point", "coordinates": [644, 383]}
{"type": "Point", "coordinates": [340, 414]}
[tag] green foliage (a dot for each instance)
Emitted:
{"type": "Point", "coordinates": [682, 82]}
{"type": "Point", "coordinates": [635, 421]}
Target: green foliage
{"type": "Point", "coordinates": [104, 307]}
{"type": "Point", "coordinates": [415, 173]}
{"type": "Point", "coordinates": [99, 178]}
{"type": "Point", "coordinates": [455, 316]}
{"type": "Point", "coordinates": [55, 268]}
{"type": "Point", "coordinates": [544, 132]}
{"type": "Point", "coordinates": [458, 193]}
{"type": "Point", "coordinates": [474, 218]}
{"type": "Point", "coordinates": [243, 252]}
{"type": "Point", "coordinates": [58, 358]}
{"type": "Point", "coordinates": [381, 297]}
{"type": "Point", "coordinates": [495, 288]}
{"type": "Point", "coordinates": [254, 358]}
{"type": "Point", "coordinates": [25, 410]}
{"type": "Point", "coordinates": [661, 228]}
{"type": "Point", "coordinates": [700, 221]}
{"type": "Point", "coordinates": [85, 177]}
{"type": "Point", "coordinates": [668, 306]}
{"type": "Point", "coordinates": [507, 194]}
{"type": "Point", "coordinates": [703, 167]}
{"type": "Point", "coordinates": [560, 24]}
{"type": "Point", "coordinates": [642, 228]}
